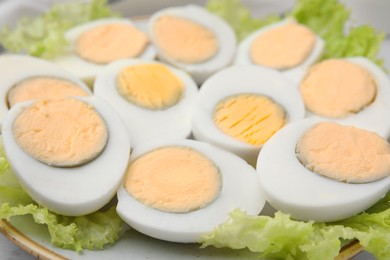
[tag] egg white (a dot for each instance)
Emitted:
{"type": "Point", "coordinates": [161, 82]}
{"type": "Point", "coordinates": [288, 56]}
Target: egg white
{"type": "Point", "coordinates": [77, 190]}
{"type": "Point", "coordinates": [225, 36]}
{"type": "Point", "coordinates": [145, 124]}
{"type": "Point", "coordinates": [86, 70]}
{"type": "Point", "coordinates": [16, 68]}
{"type": "Point", "coordinates": [240, 189]}
{"type": "Point", "coordinates": [371, 117]}
{"type": "Point", "coordinates": [296, 73]}
{"type": "Point", "coordinates": [290, 187]}
{"type": "Point", "coordinates": [242, 80]}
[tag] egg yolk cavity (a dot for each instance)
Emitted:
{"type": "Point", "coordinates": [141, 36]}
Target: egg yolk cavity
{"type": "Point", "coordinates": [110, 42]}
{"type": "Point", "coordinates": [337, 88]}
{"type": "Point", "coordinates": [250, 118]}
{"type": "Point", "coordinates": [283, 47]}
{"type": "Point", "coordinates": [151, 86]}
{"type": "Point", "coordinates": [43, 88]}
{"type": "Point", "coordinates": [61, 132]}
{"type": "Point", "coordinates": [184, 40]}
{"type": "Point", "coordinates": [344, 153]}
{"type": "Point", "coordinates": [174, 179]}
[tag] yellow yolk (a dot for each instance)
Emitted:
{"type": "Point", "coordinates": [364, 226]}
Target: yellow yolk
{"type": "Point", "coordinates": [283, 47]}
{"type": "Point", "coordinates": [61, 132]}
{"type": "Point", "coordinates": [151, 86]}
{"type": "Point", "coordinates": [344, 153]}
{"type": "Point", "coordinates": [337, 88]}
{"type": "Point", "coordinates": [107, 43]}
{"type": "Point", "coordinates": [173, 179]}
{"type": "Point", "coordinates": [43, 88]}
{"type": "Point", "coordinates": [184, 40]}
{"type": "Point", "coordinates": [252, 119]}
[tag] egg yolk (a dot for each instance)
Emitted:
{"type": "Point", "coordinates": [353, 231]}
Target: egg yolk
{"type": "Point", "coordinates": [344, 153]}
{"type": "Point", "coordinates": [336, 88]}
{"type": "Point", "coordinates": [173, 179]}
{"type": "Point", "coordinates": [283, 47]}
{"type": "Point", "coordinates": [151, 86]}
{"type": "Point", "coordinates": [184, 40]}
{"type": "Point", "coordinates": [43, 88]}
{"type": "Point", "coordinates": [250, 118]}
{"type": "Point", "coordinates": [110, 42]}
{"type": "Point", "coordinates": [61, 132]}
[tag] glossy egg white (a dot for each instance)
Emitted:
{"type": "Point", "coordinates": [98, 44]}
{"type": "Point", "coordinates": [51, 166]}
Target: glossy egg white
{"type": "Point", "coordinates": [86, 70]}
{"type": "Point", "coordinates": [16, 68]}
{"type": "Point", "coordinates": [372, 117]}
{"type": "Point", "coordinates": [242, 80]}
{"type": "Point", "coordinates": [296, 73]}
{"type": "Point", "coordinates": [145, 124]}
{"type": "Point", "coordinates": [224, 33]}
{"type": "Point", "coordinates": [78, 190]}
{"type": "Point", "coordinates": [290, 187]}
{"type": "Point", "coordinates": [240, 189]}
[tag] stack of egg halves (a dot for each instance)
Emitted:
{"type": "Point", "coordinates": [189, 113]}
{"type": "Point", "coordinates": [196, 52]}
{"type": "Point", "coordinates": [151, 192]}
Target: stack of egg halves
{"type": "Point", "coordinates": [159, 84]}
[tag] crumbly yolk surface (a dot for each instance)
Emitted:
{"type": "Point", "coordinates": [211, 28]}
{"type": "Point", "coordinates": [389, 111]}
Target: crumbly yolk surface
{"type": "Point", "coordinates": [344, 153]}
{"type": "Point", "coordinates": [252, 119]}
{"type": "Point", "coordinates": [337, 88]}
{"type": "Point", "coordinates": [43, 88]}
{"type": "Point", "coordinates": [62, 132]}
{"type": "Point", "coordinates": [110, 42]}
{"type": "Point", "coordinates": [184, 40]}
{"type": "Point", "coordinates": [283, 47]}
{"type": "Point", "coordinates": [151, 86]}
{"type": "Point", "coordinates": [173, 179]}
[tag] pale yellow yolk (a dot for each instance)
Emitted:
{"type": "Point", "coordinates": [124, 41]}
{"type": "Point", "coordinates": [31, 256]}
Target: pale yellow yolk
{"type": "Point", "coordinates": [43, 88]}
{"type": "Point", "coordinates": [107, 43]}
{"type": "Point", "coordinates": [252, 119]}
{"type": "Point", "coordinates": [173, 179]}
{"type": "Point", "coordinates": [344, 153]}
{"type": "Point", "coordinates": [283, 47]}
{"type": "Point", "coordinates": [337, 88]}
{"type": "Point", "coordinates": [151, 86]}
{"type": "Point", "coordinates": [184, 40]}
{"type": "Point", "coordinates": [62, 132]}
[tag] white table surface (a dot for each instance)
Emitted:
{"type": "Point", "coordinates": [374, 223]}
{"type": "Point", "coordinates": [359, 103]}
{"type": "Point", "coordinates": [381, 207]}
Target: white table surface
{"type": "Point", "coordinates": [9, 251]}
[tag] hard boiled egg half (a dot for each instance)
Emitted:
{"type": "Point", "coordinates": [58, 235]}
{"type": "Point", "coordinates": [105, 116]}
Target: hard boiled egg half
{"type": "Point", "coordinates": [351, 91]}
{"type": "Point", "coordinates": [324, 171]}
{"type": "Point", "coordinates": [286, 46]}
{"type": "Point", "coordinates": [69, 154]}
{"type": "Point", "coordinates": [177, 191]}
{"type": "Point", "coordinates": [95, 44]}
{"type": "Point", "coordinates": [153, 99]}
{"type": "Point", "coordinates": [192, 39]}
{"type": "Point", "coordinates": [27, 78]}
{"type": "Point", "coordinates": [241, 107]}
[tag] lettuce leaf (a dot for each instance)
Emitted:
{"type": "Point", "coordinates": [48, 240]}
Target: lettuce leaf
{"type": "Point", "coordinates": [43, 36]}
{"type": "Point", "coordinates": [281, 237]}
{"type": "Point", "coordinates": [92, 231]}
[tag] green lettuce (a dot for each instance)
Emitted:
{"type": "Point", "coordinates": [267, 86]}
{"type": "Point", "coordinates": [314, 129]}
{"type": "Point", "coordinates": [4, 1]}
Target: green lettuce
{"type": "Point", "coordinates": [92, 231]}
{"type": "Point", "coordinates": [43, 36]}
{"type": "Point", "coordinates": [281, 237]}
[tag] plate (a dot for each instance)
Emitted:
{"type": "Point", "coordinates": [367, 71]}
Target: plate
{"type": "Point", "coordinates": [35, 240]}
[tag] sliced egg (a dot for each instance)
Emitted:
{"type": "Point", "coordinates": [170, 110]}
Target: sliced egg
{"type": "Point", "coordinates": [74, 167]}
{"type": "Point", "coordinates": [286, 46]}
{"type": "Point", "coordinates": [25, 78]}
{"type": "Point", "coordinates": [244, 125]}
{"type": "Point", "coordinates": [292, 188]}
{"type": "Point", "coordinates": [177, 191]}
{"type": "Point", "coordinates": [97, 43]}
{"type": "Point", "coordinates": [192, 39]}
{"type": "Point", "coordinates": [154, 100]}
{"type": "Point", "coordinates": [339, 91]}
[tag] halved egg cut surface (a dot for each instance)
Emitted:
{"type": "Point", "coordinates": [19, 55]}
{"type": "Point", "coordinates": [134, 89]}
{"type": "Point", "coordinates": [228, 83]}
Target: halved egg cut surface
{"type": "Point", "coordinates": [70, 165]}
